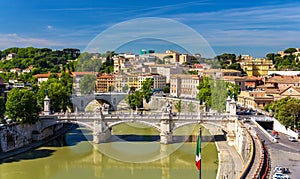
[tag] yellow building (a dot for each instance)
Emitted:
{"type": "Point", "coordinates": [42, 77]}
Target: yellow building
{"type": "Point", "coordinates": [104, 83]}
{"type": "Point", "coordinates": [257, 67]}
{"type": "Point", "coordinates": [133, 81]}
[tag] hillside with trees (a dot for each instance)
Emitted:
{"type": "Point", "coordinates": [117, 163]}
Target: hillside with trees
{"type": "Point", "coordinates": [42, 59]}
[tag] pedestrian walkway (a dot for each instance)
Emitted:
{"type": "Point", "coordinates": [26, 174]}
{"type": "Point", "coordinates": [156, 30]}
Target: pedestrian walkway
{"type": "Point", "coordinates": [257, 153]}
{"type": "Point", "coordinates": [230, 163]}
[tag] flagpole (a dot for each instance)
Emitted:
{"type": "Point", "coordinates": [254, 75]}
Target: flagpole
{"type": "Point", "coordinates": [200, 135]}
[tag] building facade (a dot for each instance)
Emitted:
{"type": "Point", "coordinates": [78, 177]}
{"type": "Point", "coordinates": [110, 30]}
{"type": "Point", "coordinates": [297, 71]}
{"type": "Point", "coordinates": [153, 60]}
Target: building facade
{"type": "Point", "coordinates": [184, 86]}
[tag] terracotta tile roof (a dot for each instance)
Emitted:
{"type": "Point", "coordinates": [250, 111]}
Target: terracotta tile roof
{"type": "Point", "coordinates": [296, 88]}
{"type": "Point", "coordinates": [252, 78]}
{"type": "Point", "coordinates": [82, 73]}
{"type": "Point", "coordinates": [46, 75]}
{"type": "Point", "coordinates": [283, 79]}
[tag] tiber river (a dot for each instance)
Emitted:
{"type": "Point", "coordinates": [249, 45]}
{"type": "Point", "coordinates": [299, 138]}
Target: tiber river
{"type": "Point", "coordinates": [134, 154]}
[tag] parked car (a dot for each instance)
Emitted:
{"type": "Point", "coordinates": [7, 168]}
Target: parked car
{"type": "Point", "coordinates": [280, 176]}
{"type": "Point", "coordinates": [277, 176]}
{"type": "Point", "coordinates": [278, 170]}
{"type": "Point", "coordinates": [292, 139]}
{"type": "Point", "coordinates": [276, 136]}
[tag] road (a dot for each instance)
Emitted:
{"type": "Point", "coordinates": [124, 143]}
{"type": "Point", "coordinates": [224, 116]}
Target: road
{"type": "Point", "coordinates": [284, 153]}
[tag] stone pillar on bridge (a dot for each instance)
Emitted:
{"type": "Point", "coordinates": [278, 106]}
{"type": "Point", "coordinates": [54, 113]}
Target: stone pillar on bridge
{"type": "Point", "coordinates": [166, 125]}
{"type": "Point", "coordinates": [47, 106]}
{"type": "Point", "coordinates": [228, 100]}
{"type": "Point", "coordinates": [232, 105]}
{"type": "Point", "coordinates": [101, 133]}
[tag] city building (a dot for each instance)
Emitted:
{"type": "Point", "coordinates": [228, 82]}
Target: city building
{"type": "Point", "coordinates": [15, 70]}
{"type": "Point", "coordinates": [27, 70]}
{"type": "Point", "coordinates": [159, 81]}
{"type": "Point", "coordinates": [184, 58]}
{"type": "Point", "coordinates": [118, 64]}
{"type": "Point", "coordinates": [104, 83]}
{"type": "Point", "coordinates": [169, 56]}
{"type": "Point", "coordinates": [132, 81]}
{"type": "Point", "coordinates": [11, 56]}
{"type": "Point", "coordinates": [291, 91]}
{"type": "Point", "coordinates": [44, 77]}
{"type": "Point", "coordinates": [241, 81]}
{"type": "Point", "coordinates": [257, 67]}
{"type": "Point", "coordinates": [246, 57]}
{"type": "Point", "coordinates": [254, 99]}
{"type": "Point", "coordinates": [184, 86]}
{"type": "Point", "coordinates": [165, 70]}
{"type": "Point", "coordinates": [251, 82]}
{"type": "Point", "coordinates": [121, 83]}
{"type": "Point", "coordinates": [219, 73]}
{"type": "Point", "coordinates": [282, 82]}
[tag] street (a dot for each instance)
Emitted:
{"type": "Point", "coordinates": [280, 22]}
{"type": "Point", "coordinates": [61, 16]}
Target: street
{"type": "Point", "coordinates": [284, 153]}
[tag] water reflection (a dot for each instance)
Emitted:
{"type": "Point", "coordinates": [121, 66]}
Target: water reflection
{"type": "Point", "coordinates": [73, 156]}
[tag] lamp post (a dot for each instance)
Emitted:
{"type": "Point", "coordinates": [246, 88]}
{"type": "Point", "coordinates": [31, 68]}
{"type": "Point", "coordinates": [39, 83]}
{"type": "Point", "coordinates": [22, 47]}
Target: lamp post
{"type": "Point", "coordinates": [295, 116]}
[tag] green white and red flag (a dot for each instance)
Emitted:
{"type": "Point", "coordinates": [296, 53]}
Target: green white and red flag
{"type": "Point", "coordinates": [198, 152]}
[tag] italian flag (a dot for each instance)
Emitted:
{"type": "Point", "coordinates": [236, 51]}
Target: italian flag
{"type": "Point", "coordinates": [198, 152]}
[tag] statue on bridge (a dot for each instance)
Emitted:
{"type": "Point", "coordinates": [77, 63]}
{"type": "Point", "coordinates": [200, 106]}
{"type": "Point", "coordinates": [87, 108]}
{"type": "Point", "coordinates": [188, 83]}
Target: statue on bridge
{"type": "Point", "coordinates": [167, 108]}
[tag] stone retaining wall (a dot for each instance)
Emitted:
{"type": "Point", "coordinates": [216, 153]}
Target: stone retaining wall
{"type": "Point", "coordinates": [14, 136]}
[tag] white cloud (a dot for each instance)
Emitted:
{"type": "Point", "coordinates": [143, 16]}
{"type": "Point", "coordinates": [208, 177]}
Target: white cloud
{"type": "Point", "coordinates": [49, 27]}
{"type": "Point", "coordinates": [14, 40]}
{"type": "Point", "coordinates": [273, 25]}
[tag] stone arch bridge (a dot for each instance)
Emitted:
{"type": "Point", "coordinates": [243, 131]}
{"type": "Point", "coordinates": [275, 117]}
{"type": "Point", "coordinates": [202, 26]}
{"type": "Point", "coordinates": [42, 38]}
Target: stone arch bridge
{"type": "Point", "coordinates": [112, 99]}
{"type": "Point", "coordinates": [164, 123]}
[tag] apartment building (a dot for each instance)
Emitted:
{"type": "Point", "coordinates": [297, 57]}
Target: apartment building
{"type": "Point", "coordinates": [254, 99]}
{"type": "Point", "coordinates": [165, 70]}
{"type": "Point", "coordinates": [282, 82]}
{"type": "Point", "coordinates": [132, 81]}
{"type": "Point", "coordinates": [184, 85]}
{"type": "Point", "coordinates": [104, 83]}
{"type": "Point", "coordinates": [121, 83]}
{"type": "Point", "coordinates": [159, 81]}
{"type": "Point", "coordinates": [257, 67]}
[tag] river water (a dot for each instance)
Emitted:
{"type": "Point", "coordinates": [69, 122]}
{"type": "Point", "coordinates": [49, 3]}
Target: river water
{"type": "Point", "coordinates": [133, 156]}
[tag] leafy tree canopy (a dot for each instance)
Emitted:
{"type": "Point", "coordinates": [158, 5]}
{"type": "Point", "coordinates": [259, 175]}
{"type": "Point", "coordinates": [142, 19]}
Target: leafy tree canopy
{"type": "Point", "coordinates": [22, 106]}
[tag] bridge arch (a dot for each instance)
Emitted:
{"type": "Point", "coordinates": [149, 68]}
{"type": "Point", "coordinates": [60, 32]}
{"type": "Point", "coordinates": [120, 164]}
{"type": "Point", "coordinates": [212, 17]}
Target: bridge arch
{"type": "Point", "coordinates": [199, 122]}
{"type": "Point", "coordinates": [155, 126]}
{"type": "Point", "coordinates": [90, 127]}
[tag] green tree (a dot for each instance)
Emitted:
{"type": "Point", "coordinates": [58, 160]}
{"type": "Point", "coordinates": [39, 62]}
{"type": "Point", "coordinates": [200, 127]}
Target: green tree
{"type": "Point", "coordinates": [146, 89]}
{"type": "Point", "coordinates": [178, 106]}
{"type": "Point", "coordinates": [166, 89]}
{"type": "Point", "coordinates": [286, 110]}
{"type": "Point", "coordinates": [193, 72]}
{"type": "Point", "coordinates": [204, 94]}
{"type": "Point", "coordinates": [233, 88]}
{"type": "Point", "coordinates": [134, 100]}
{"type": "Point", "coordinates": [57, 93]}
{"type": "Point", "coordinates": [218, 95]}
{"type": "Point", "coordinates": [22, 106]}
{"type": "Point", "coordinates": [87, 84]}
{"type": "Point", "coordinates": [290, 50]}
{"type": "Point", "coordinates": [111, 88]}
{"type": "Point", "coordinates": [191, 107]}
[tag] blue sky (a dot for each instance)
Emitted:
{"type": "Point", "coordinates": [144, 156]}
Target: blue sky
{"type": "Point", "coordinates": [245, 27]}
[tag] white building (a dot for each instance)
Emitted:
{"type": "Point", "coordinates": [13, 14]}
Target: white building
{"type": "Point", "coordinates": [11, 56]}
{"type": "Point", "coordinates": [184, 86]}
{"type": "Point", "coordinates": [159, 81]}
